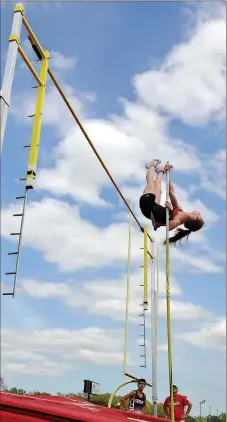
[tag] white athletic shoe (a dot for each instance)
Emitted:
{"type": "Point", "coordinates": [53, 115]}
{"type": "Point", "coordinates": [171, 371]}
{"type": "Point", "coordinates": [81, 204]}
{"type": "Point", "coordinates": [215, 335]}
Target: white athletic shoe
{"type": "Point", "coordinates": [154, 163]}
{"type": "Point", "coordinates": [158, 169]}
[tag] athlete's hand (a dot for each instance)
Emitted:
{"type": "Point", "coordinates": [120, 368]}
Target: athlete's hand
{"type": "Point", "coordinates": [168, 205]}
{"type": "Point", "coordinates": [184, 417]}
{"type": "Point", "coordinates": [167, 167]}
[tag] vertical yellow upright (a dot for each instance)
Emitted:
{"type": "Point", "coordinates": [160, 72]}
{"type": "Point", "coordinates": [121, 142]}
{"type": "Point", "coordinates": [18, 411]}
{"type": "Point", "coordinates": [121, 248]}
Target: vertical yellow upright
{"type": "Point", "coordinates": [145, 262]}
{"type": "Point", "coordinates": [157, 294]}
{"type": "Point", "coordinates": [34, 148]}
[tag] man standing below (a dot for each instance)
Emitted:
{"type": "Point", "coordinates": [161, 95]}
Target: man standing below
{"type": "Point", "coordinates": [180, 403]}
{"type": "Point", "coordinates": [137, 398]}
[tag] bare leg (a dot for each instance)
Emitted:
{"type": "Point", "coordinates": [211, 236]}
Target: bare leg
{"type": "Point", "coordinates": [158, 185]}
{"type": "Point", "coordinates": [158, 182]}
{"type": "Point", "coordinates": [150, 188]}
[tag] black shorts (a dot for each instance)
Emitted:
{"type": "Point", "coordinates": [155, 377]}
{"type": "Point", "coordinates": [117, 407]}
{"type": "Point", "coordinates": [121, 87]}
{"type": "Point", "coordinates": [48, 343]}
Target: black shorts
{"type": "Point", "coordinates": [148, 205]}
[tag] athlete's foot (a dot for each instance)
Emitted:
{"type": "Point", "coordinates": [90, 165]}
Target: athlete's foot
{"type": "Point", "coordinates": [153, 163]}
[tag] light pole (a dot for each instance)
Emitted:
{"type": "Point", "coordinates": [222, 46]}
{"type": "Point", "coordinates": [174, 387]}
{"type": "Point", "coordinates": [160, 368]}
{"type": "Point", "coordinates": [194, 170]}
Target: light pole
{"type": "Point", "coordinates": [200, 409]}
{"type": "Point", "coordinates": [209, 416]}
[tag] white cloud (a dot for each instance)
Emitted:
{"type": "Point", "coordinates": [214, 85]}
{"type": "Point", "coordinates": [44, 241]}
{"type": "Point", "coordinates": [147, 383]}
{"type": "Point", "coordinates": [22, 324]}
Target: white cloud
{"type": "Point", "coordinates": [123, 152]}
{"type": "Point", "coordinates": [74, 243]}
{"type": "Point", "coordinates": [32, 363]}
{"type": "Point", "coordinates": [218, 255]}
{"type": "Point", "coordinates": [214, 176]}
{"type": "Point", "coordinates": [106, 295]}
{"type": "Point", "coordinates": [59, 62]}
{"type": "Point", "coordinates": [190, 84]}
{"type": "Point", "coordinates": [185, 311]}
{"type": "Point", "coordinates": [163, 347]}
{"type": "Point", "coordinates": [31, 351]}
{"type": "Point", "coordinates": [108, 298]}
{"type": "Point", "coordinates": [85, 180]}
{"type": "Point", "coordinates": [196, 262]}
{"type": "Point", "coordinates": [211, 336]}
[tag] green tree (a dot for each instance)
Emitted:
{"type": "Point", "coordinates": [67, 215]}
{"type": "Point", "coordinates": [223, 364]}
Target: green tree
{"type": "Point", "coordinates": [161, 413]}
{"type": "Point", "coordinates": [102, 400]}
{"type": "Point", "coordinates": [3, 386]}
{"type": "Point", "coordinates": [13, 390]}
{"type": "Point", "coordinates": [190, 419]}
{"type": "Point", "coordinates": [200, 419]}
{"type": "Point", "coordinates": [19, 391]}
{"type": "Point", "coordinates": [215, 418]}
{"type": "Point", "coordinates": [222, 417]}
{"type": "Point", "coordinates": [82, 396]}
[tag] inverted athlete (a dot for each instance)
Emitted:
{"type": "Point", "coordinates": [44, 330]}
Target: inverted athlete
{"type": "Point", "coordinates": [151, 208]}
{"type": "Point", "coordinates": [137, 398]}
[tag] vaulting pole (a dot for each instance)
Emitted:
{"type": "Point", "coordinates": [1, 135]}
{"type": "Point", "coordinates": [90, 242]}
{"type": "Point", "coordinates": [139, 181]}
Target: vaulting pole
{"type": "Point", "coordinates": [168, 299]}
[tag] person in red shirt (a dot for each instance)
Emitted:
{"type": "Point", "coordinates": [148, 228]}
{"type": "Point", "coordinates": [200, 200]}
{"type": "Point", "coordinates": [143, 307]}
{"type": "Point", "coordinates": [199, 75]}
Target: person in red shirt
{"type": "Point", "coordinates": [180, 403]}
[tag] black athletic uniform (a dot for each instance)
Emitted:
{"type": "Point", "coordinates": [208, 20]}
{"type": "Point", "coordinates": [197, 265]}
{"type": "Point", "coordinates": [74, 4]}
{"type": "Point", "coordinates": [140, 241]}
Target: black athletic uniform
{"type": "Point", "coordinates": [150, 208]}
{"type": "Point", "coordinates": [137, 403]}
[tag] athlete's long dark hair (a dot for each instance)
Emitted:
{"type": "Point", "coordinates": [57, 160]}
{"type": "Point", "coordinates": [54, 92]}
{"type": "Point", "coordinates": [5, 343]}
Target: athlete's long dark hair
{"type": "Point", "coordinates": [180, 234]}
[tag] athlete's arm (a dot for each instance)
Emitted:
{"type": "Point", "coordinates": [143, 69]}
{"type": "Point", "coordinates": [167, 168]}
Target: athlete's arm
{"type": "Point", "coordinates": [123, 399]}
{"type": "Point", "coordinates": [180, 218]}
{"type": "Point", "coordinates": [173, 198]}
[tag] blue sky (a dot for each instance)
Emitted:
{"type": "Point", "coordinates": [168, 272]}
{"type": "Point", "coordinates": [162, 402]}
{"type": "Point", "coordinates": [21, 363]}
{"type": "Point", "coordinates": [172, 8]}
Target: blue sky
{"type": "Point", "coordinates": [147, 80]}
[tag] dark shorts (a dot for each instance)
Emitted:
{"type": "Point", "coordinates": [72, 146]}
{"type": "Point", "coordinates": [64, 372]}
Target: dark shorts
{"type": "Point", "coordinates": [148, 205]}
